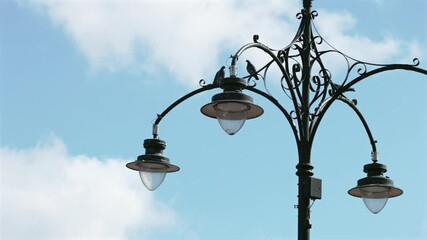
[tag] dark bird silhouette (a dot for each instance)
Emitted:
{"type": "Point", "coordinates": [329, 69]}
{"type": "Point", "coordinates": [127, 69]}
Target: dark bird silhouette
{"type": "Point", "coordinates": [219, 76]}
{"type": "Point", "coordinates": [251, 70]}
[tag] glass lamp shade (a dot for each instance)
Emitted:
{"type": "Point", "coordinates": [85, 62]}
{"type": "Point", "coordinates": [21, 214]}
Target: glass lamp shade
{"type": "Point", "coordinates": [375, 198]}
{"type": "Point", "coordinates": [231, 116]}
{"type": "Point", "coordinates": [232, 109]}
{"type": "Point", "coordinates": [152, 180]}
{"type": "Point", "coordinates": [375, 205]}
{"type": "Point", "coordinates": [152, 166]}
{"type": "Point", "coordinates": [375, 189]}
{"type": "Point", "coordinates": [152, 172]}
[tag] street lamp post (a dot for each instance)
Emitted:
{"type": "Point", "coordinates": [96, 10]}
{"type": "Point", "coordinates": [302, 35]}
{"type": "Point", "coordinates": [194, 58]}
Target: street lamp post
{"type": "Point", "coordinates": [311, 94]}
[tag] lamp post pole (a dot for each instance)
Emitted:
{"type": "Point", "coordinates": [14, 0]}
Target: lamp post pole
{"type": "Point", "coordinates": [310, 96]}
{"type": "Point", "coordinates": [304, 167]}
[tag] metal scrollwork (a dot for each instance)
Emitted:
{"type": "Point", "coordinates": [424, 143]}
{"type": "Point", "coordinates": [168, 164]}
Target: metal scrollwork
{"type": "Point", "coordinates": [251, 82]}
{"type": "Point", "coordinates": [416, 62]}
{"type": "Point", "coordinates": [306, 79]}
{"type": "Point", "coordinates": [314, 14]}
{"type": "Point", "coordinates": [202, 83]}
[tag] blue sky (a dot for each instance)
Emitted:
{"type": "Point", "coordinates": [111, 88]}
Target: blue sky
{"type": "Point", "coordinates": [82, 81]}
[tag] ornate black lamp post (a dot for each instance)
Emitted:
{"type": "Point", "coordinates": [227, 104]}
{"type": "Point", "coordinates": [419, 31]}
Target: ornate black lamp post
{"type": "Point", "coordinates": [311, 93]}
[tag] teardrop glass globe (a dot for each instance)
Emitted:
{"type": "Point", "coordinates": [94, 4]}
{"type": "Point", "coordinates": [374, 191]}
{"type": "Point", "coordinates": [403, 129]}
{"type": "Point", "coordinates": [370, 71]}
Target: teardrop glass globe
{"type": "Point", "coordinates": [375, 198]}
{"type": "Point", "coordinates": [375, 205]}
{"type": "Point", "coordinates": [231, 116]}
{"type": "Point", "coordinates": [152, 180]}
{"type": "Point", "coordinates": [231, 127]}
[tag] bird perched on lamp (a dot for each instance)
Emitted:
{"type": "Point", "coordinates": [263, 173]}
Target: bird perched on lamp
{"type": "Point", "coordinates": [251, 70]}
{"type": "Point", "coordinates": [219, 75]}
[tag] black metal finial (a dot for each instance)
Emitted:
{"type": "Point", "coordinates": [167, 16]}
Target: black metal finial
{"type": "Point", "coordinates": [307, 3]}
{"type": "Point", "coordinates": [256, 38]}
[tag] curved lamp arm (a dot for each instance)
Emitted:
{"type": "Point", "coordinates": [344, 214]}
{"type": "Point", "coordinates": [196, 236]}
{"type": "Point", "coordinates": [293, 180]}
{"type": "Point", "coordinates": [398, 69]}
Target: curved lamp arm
{"type": "Point", "coordinates": [285, 75]}
{"type": "Point", "coordinates": [347, 86]}
{"type": "Point", "coordinates": [352, 105]}
{"type": "Point", "coordinates": [176, 103]}
{"type": "Point", "coordinates": [281, 108]}
{"type": "Point", "coordinates": [153, 165]}
{"type": "Point", "coordinates": [269, 51]}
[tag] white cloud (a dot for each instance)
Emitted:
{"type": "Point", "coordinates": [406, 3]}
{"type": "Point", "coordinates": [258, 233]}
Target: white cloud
{"type": "Point", "coordinates": [415, 51]}
{"type": "Point", "coordinates": [335, 27]}
{"type": "Point", "coordinates": [184, 37]}
{"type": "Point", "coordinates": [48, 194]}
{"type": "Point", "coordinates": [188, 37]}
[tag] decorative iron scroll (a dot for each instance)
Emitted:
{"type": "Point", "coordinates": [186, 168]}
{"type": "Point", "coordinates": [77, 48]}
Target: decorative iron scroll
{"type": "Point", "coordinates": [324, 85]}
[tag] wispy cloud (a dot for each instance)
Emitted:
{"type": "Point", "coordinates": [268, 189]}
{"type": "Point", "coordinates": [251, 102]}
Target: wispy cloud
{"type": "Point", "coordinates": [187, 38]}
{"type": "Point", "coordinates": [183, 37]}
{"type": "Point", "coordinates": [48, 194]}
{"type": "Point", "coordinates": [337, 28]}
